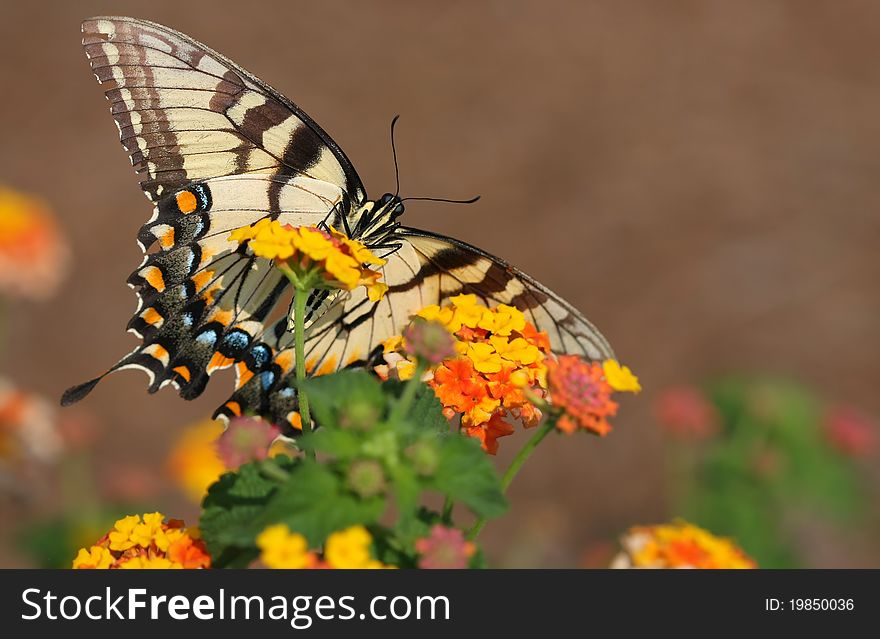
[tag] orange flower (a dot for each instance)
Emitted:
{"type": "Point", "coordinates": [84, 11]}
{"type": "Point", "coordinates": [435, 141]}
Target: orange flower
{"type": "Point", "coordinates": [490, 432]}
{"type": "Point", "coordinates": [33, 255]}
{"type": "Point", "coordinates": [579, 390]}
{"type": "Point", "coordinates": [678, 545]}
{"type": "Point", "coordinates": [499, 357]}
{"type": "Point", "coordinates": [146, 541]}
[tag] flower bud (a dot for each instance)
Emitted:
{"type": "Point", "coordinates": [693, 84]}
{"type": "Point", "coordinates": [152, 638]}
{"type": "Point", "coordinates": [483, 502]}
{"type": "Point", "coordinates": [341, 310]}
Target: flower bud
{"type": "Point", "coordinates": [366, 479]}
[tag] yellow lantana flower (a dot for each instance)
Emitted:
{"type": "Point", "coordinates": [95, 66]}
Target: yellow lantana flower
{"type": "Point", "coordinates": [94, 557]}
{"type": "Point", "coordinates": [307, 251]}
{"type": "Point", "coordinates": [484, 357]}
{"type": "Point", "coordinates": [620, 378]}
{"type": "Point", "coordinates": [281, 548]}
{"type": "Point", "coordinates": [350, 548]}
{"type": "Point", "coordinates": [121, 535]}
{"type": "Point", "coordinates": [145, 562]}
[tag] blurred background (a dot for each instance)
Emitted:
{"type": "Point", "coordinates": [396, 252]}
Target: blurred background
{"type": "Point", "coordinates": [699, 177]}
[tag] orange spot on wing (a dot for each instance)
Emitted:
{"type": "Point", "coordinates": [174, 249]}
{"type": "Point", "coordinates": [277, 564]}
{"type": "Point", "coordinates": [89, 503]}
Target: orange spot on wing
{"type": "Point", "coordinates": [284, 359]}
{"type": "Point", "coordinates": [234, 408]}
{"type": "Point", "coordinates": [244, 374]}
{"type": "Point", "coordinates": [157, 351]}
{"type": "Point", "coordinates": [166, 240]}
{"type": "Point", "coordinates": [202, 278]}
{"type": "Point", "coordinates": [186, 202]}
{"type": "Point", "coordinates": [207, 254]}
{"type": "Point", "coordinates": [154, 277]}
{"type": "Point", "coordinates": [295, 420]}
{"type": "Point", "coordinates": [218, 361]}
{"type": "Point", "coordinates": [183, 371]}
{"type": "Point", "coordinates": [222, 316]}
{"type": "Point", "coordinates": [151, 316]}
{"type": "Point", "coordinates": [310, 364]}
{"type": "Point", "coordinates": [355, 356]}
{"type": "Point", "coordinates": [327, 367]}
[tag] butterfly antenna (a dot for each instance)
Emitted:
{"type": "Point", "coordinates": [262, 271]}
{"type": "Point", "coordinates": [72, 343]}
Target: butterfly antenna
{"type": "Point", "coordinates": [394, 153]}
{"type": "Point", "coordinates": [441, 199]}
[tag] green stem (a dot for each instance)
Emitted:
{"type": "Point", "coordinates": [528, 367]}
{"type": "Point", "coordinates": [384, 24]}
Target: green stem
{"type": "Point", "coordinates": [300, 297]}
{"type": "Point", "coordinates": [447, 510]}
{"type": "Point", "coordinates": [401, 408]}
{"type": "Point", "coordinates": [515, 466]}
{"type": "Point", "coordinates": [273, 471]}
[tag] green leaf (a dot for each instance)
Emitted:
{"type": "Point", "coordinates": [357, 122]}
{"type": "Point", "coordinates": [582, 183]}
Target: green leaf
{"type": "Point", "coordinates": [347, 398]}
{"type": "Point", "coordinates": [406, 494]}
{"type": "Point", "coordinates": [341, 444]}
{"type": "Point", "coordinates": [426, 411]}
{"type": "Point", "coordinates": [314, 503]}
{"type": "Point", "coordinates": [231, 506]}
{"type": "Point", "coordinates": [465, 474]}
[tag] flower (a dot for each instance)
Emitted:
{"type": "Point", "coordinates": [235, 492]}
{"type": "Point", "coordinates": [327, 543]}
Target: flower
{"type": "Point", "coordinates": [322, 259]}
{"type": "Point", "coordinates": [444, 548]}
{"type": "Point", "coordinates": [684, 411]}
{"type": "Point", "coordinates": [146, 541]}
{"type": "Point", "coordinates": [246, 439]}
{"type": "Point", "coordinates": [678, 545]}
{"type": "Point", "coordinates": [349, 548]}
{"type": "Point", "coordinates": [94, 557]}
{"type": "Point", "coordinates": [33, 255]}
{"type": "Point", "coordinates": [579, 391]}
{"type": "Point", "coordinates": [194, 462]}
{"type": "Point", "coordinates": [281, 548]}
{"type": "Point", "coordinates": [620, 378]}
{"type": "Point", "coordinates": [498, 362]}
{"type": "Point", "coordinates": [28, 428]}
{"type": "Point", "coordinates": [850, 432]}
{"type": "Point", "coordinates": [365, 478]}
{"type": "Point", "coordinates": [429, 341]}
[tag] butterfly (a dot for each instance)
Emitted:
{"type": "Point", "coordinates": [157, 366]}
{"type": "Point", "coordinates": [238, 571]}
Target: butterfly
{"type": "Point", "coordinates": [219, 149]}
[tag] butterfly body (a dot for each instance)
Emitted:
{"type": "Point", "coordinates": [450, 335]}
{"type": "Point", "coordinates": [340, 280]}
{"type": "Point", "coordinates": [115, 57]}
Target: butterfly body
{"type": "Point", "coordinates": [218, 149]}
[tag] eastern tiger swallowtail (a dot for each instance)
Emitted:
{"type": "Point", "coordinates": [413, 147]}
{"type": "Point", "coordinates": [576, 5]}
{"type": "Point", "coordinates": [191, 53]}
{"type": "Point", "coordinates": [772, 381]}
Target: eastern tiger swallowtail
{"type": "Point", "coordinates": [220, 149]}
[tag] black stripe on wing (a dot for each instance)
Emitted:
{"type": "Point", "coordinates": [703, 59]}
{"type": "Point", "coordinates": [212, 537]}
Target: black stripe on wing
{"type": "Point", "coordinates": [186, 113]}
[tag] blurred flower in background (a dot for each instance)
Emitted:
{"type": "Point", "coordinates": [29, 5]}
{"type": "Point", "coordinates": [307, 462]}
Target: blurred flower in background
{"type": "Point", "coordinates": [206, 449]}
{"type": "Point", "coordinates": [766, 462]}
{"type": "Point", "coordinates": [850, 432]}
{"type": "Point", "coordinates": [29, 434]}
{"type": "Point", "coordinates": [678, 545]}
{"type": "Point", "coordinates": [685, 412]}
{"type": "Point", "coordinates": [194, 463]}
{"type": "Point", "coordinates": [33, 253]}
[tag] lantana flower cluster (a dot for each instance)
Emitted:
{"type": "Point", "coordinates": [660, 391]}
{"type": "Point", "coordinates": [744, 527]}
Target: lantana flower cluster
{"type": "Point", "coordinates": [499, 361]}
{"type": "Point", "coordinates": [146, 541]}
{"type": "Point", "coordinates": [328, 258]}
{"type": "Point", "coordinates": [580, 392]}
{"type": "Point", "coordinates": [678, 545]}
{"type": "Point", "coordinates": [349, 548]}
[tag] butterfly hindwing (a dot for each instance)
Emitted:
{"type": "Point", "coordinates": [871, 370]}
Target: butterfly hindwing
{"type": "Point", "coordinates": [427, 269]}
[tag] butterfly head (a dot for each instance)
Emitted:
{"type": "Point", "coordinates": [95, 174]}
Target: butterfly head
{"type": "Point", "coordinates": [376, 220]}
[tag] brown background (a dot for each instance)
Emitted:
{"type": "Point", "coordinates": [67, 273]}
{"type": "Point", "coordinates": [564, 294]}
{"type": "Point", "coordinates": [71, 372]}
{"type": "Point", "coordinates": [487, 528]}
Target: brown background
{"type": "Point", "coordinates": [700, 178]}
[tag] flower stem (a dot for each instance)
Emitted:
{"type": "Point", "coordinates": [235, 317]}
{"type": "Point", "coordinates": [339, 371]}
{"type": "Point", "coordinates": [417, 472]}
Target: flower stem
{"type": "Point", "coordinates": [401, 408]}
{"type": "Point", "coordinates": [515, 466]}
{"type": "Point", "coordinates": [447, 510]}
{"type": "Point", "coordinates": [300, 297]}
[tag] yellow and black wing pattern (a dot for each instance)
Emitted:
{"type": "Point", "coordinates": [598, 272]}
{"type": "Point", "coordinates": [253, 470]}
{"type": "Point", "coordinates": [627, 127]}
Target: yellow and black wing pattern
{"type": "Point", "coordinates": [219, 149]}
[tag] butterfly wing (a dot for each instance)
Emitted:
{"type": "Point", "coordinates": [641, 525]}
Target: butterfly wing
{"type": "Point", "coordinates": [219, 149]}
{"type": "Point", "coordinates": [427, 269]}
{"type": "Point", "coordinates": [187, 113]}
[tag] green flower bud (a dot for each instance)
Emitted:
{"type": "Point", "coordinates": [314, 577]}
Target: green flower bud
{"type": "Point", "coordinates": [366, 479]}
